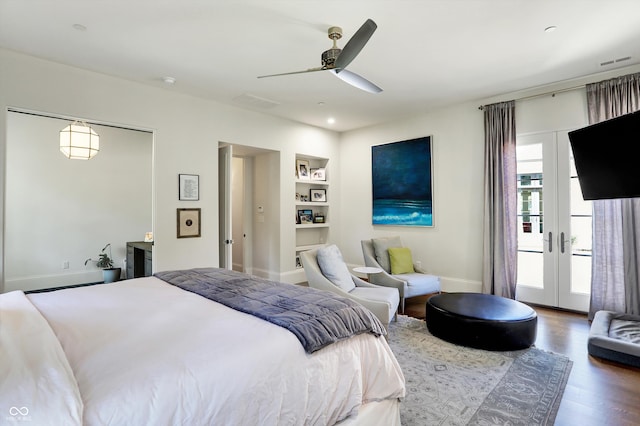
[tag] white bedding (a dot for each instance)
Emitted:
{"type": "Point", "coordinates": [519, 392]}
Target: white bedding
{"type": "Point", "coordinates": [145, 352]}
{"type": "Point", "coordinates": [37, 385]}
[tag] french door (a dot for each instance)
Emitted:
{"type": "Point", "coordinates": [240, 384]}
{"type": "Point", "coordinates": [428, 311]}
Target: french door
{"type": "Point", "coordinates": [554, 225]}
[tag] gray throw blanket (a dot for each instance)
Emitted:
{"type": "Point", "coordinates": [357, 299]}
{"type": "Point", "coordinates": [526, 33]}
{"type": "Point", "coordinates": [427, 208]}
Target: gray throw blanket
{"type": "Point", "coordinates": [317, 318]}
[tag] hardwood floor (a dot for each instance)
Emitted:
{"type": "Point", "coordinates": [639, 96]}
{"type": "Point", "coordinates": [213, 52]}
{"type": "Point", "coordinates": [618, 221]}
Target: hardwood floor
{"type": "Point", "coordinates": [598, 392]}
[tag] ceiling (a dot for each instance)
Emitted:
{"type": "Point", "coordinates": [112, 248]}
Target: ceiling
{"type": "Point", "coordinates": [425, 53]}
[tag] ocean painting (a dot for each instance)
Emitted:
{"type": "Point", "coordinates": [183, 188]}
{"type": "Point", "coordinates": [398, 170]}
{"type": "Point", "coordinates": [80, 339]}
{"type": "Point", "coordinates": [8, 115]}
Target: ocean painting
{"type": "Point", "coordinates": [402, 183]}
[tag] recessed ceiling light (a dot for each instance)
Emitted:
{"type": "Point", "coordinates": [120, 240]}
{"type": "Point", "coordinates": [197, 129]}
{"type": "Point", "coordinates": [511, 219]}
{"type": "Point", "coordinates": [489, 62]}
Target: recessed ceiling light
{"type": "Point", "coordinates": [331, 120]}
{"type": "Point", "coordinates": [550, 29]}
{"type": "Point", "coordinates": [169, 80]}
{"type": "Point", "coordinates": [79, 27]}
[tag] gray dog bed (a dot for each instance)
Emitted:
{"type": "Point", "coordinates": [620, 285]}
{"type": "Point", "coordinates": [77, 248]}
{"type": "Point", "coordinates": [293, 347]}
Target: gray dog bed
{"type": "Point", "coordinates": [616, 337]}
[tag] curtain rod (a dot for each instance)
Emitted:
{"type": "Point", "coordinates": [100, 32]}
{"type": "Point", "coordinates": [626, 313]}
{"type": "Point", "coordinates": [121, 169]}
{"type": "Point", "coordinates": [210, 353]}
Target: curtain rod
{"type": "Point", "coordinates": [38, 114]}
{"type": "Point", "coordinates": [539, 95]}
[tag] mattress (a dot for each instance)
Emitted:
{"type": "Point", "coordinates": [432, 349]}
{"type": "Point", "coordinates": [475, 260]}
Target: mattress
{"type": "Point", "coordinates": [145, 352]}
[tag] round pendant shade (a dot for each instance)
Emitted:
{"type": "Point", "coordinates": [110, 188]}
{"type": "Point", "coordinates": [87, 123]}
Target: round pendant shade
{"type": "Point", "coordinates": [79, 141]}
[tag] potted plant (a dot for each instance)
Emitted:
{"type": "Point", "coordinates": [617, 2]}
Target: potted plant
{"type": "Point", "coordinates": [105, 262]}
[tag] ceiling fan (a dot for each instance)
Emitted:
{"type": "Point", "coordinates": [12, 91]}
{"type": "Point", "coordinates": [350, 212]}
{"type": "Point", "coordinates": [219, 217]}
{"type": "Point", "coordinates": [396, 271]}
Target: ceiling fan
{"type": "Point", "coordinates": [336, 60]}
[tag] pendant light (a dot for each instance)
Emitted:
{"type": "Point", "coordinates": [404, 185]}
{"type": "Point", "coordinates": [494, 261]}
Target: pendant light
{"type": "Point", "coordinates": [78, 141]}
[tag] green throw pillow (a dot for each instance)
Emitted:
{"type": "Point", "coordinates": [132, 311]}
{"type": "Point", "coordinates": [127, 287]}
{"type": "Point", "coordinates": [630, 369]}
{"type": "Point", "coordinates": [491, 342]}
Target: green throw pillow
{"type": "Point", "coordinates": [401, 261]}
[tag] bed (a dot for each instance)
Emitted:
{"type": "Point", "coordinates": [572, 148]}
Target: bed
{"type": "Point", "coordinates": [144, 351]}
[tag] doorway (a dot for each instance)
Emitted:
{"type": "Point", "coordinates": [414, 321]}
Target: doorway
{"type": "Point", "coordinates": [245, 173]}
{"type": "Point", "coordinates": [60, 212]}
{"type": "Point", "coordinates": [554, 224]}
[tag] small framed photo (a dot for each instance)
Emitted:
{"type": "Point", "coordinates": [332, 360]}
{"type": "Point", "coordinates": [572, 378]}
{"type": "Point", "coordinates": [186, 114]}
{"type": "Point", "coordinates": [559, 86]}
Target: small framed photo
{"type": "Point", "coordinates": [318, 218]}
{"type": "Point", "coordinates": [188, 187]}
{"type": "Point", "coordinates": [305, 216]}
{"type": "Point", "coordinates": [318, 195]}
{"type": "Point", "coordinates": [188, 223]}
{"type": "Point", "coordinates": [302, 167]}
{"type": "Point", "coordinates": [318, 174]}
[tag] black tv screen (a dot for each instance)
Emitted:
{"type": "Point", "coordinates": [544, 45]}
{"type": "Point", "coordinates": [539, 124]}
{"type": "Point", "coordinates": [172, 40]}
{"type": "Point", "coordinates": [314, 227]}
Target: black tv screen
{"type": "Point", "coordinates": [606, 158]}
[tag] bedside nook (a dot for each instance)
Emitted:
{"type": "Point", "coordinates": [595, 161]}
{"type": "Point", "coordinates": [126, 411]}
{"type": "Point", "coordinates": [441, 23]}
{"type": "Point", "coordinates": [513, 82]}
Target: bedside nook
{"type": "Point", "coordinates": [139, 259]}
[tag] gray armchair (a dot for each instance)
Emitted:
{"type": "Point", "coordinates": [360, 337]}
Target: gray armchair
{"type": "Point", "coordinates": [418, 283]}
{"type": "Point", "coordinates": [381, 301]}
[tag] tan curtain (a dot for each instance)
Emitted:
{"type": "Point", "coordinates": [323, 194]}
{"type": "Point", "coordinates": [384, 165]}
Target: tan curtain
{"type": "Point", "coordinates": [500, 201]}
{"type": "Point", "coordinates": [616, 223]}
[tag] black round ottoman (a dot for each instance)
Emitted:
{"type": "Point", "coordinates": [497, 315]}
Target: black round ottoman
{"type": "Point", "coordinates": [482, 321]}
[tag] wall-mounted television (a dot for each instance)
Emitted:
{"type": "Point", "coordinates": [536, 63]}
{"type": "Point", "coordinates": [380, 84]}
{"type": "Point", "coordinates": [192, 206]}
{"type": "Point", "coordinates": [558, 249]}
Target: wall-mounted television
{"type": "Point", "coordinates": [607, 158]}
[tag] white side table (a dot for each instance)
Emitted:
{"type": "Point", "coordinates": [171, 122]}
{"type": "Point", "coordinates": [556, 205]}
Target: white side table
{"type": "Point", "coordinates": [369, 270]}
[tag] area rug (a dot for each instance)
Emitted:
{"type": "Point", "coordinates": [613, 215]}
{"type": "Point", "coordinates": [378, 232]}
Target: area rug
{"type": "Point", "coordinates": [449, 384]}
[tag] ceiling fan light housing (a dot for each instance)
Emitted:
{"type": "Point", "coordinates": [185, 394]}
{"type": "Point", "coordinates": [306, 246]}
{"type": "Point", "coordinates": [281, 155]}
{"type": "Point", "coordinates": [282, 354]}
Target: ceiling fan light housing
{"type": "Point", "coordinates": [329, 58]}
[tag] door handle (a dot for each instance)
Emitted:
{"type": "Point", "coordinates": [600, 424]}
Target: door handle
{"type": "Point", "coordinates": [562, 242]}
{"type": "Point", "coordinates": [550, 242]}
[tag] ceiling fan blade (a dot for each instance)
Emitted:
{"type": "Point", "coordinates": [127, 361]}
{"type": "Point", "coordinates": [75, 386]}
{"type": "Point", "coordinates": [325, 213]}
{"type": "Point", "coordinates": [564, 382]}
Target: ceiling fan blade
{"type": "Point", "coordinates": [293, 72]}
{"type": "Point", "coordinates": [355, 44]}
{"type": "Point", "coordinates": [356, 81]}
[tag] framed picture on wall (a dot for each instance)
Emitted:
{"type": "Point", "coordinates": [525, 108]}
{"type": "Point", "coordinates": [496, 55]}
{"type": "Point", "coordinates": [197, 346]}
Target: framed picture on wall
{"type": "Point", "coordinates": [188, 187]}
{"type": "Point", "coordinates": [402, 183]}
{"type": "Point", "coordinates": [188, 223]}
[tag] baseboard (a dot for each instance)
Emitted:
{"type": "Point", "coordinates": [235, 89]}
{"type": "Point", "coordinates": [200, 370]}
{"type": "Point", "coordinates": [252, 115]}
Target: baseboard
{"type": "Point", "coordinates": [457, 285]}
{"type": "Point", "coordinates": [295, 276]}
{"type": "Point", "coordinates": [39, 282]}
{"type": "Point", "coordinates": [448, 284]}
{"type": "Point", "coordinates": [291, 277]}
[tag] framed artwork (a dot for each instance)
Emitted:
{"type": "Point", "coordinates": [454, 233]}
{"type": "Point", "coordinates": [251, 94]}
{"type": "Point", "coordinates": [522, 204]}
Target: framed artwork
{"type": "Point", "coordinates": [318, 174]}
{"type": "Point", "coordinates": [305, 216]}
{"type": "Point", "coordinates": [302, 168]}
{"type": "Point", "coordinates": [318, 195]}
{"type": "Point", "coordinates": [318, 218]}
{"type": "Point", "coordinates": [188, 223]}
{"type": "Point", "coordinates": [188, 187]}
{"type": "Point", "coordinates": [402, 183]}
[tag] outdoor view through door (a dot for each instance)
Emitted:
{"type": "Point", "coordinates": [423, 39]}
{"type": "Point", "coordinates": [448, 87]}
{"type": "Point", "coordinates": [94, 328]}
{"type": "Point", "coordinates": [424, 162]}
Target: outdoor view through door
{"type": "Point", "coordinates": [554, 225]}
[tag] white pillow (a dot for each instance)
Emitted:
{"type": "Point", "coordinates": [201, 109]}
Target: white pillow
{"type": "Point", "coordinates": [381, 247]}
{"type": "Point", "coordinates": [333, 267]}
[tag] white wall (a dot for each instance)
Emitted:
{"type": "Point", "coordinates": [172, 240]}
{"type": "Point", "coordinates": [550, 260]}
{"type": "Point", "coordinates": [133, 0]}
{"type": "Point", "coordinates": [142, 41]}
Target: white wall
{"type": "Point", "coordinates": [186, 135]}
{"type": "Point", "coordinates": [59, 210]}
{"type": "Point", "coordinates": [187, 131]}
{"type": "Point", "coordinates": [453, 248]}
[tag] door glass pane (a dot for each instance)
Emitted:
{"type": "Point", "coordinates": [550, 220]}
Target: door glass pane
{"type": "Point", "coordinates": [530, 215]}
{"type": "Point", "coordinates": [581, 226]}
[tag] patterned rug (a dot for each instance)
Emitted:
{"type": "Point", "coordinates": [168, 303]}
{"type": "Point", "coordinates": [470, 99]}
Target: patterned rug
{"type": "Point", "coordinates": [454, 385]}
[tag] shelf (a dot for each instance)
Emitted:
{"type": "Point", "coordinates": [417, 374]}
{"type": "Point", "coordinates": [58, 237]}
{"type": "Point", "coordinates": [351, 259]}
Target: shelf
{"type": "Point", "coordinates": [309, 247]}
{"type": "Point", "coordinates": [312, 203]}
{"type": "Point", "coordinates": [311, 225]}
{"type": "Point", "coordinates": [313, 182]}
{"type": "Point", "coordinates": [309, 236]}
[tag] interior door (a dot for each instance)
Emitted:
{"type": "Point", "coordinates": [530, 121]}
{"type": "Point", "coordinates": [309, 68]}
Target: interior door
{"type": "Point", "coordinates": [554, 225]}
{"type": "Point", "coordinates": [225, 156]}
{"type": "Point", "coordinates": [238, 197]}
